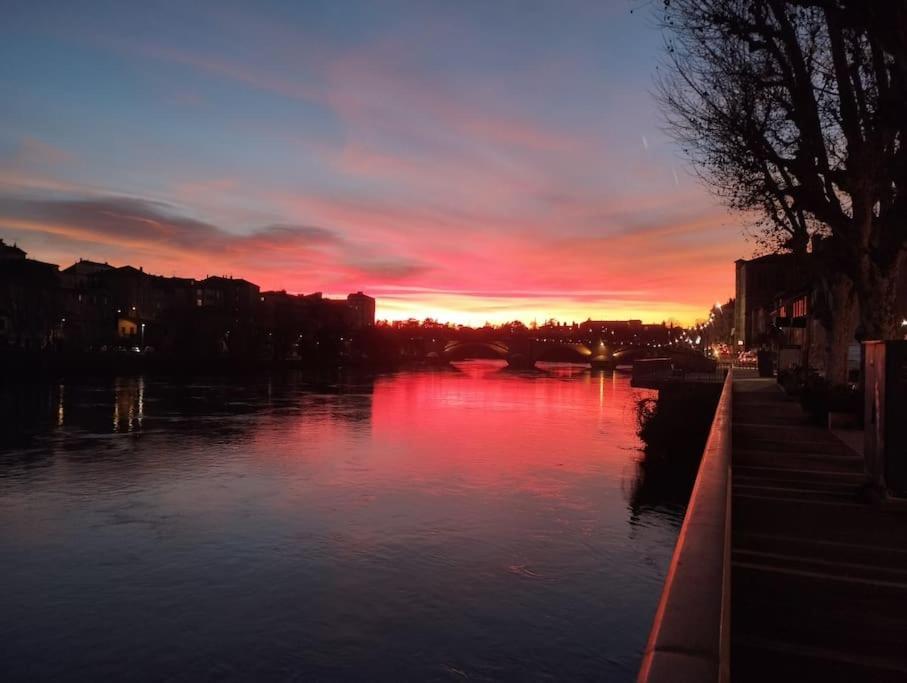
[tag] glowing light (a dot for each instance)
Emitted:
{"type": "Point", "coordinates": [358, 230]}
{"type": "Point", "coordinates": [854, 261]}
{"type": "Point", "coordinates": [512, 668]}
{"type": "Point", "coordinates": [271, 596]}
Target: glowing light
{"type": "Point", "coordinates": [60, 407]}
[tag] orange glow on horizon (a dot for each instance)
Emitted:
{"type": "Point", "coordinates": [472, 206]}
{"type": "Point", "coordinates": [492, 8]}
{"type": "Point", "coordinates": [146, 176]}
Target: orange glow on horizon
{"type": "Point", "coordinates": [448, 186]}
{"type": "Point", "coordinates": [475, 313]}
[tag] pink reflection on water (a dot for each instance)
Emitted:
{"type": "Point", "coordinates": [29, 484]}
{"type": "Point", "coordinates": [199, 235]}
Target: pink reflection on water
{"type": "Point", "coordinates": [476, 430]}
{"type": "Point", "coordinates": [490, 427]}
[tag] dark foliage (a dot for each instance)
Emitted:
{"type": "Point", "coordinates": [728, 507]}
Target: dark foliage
{"type": "Point", "coordinates": [674, 428]}
{"type": "Point", "coordinates": [794, 113]}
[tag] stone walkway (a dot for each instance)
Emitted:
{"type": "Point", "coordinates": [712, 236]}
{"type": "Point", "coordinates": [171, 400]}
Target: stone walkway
{"type": "Point", "coordinates": [819, 578]}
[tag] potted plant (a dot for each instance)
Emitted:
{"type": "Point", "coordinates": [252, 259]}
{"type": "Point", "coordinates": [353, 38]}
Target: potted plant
{"type": "Point", "coordinates": [843, 407]}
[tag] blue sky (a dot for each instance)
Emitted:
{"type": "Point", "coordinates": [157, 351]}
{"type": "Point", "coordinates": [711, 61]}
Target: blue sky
{"type": "Point", "coordinates": [465, 160]}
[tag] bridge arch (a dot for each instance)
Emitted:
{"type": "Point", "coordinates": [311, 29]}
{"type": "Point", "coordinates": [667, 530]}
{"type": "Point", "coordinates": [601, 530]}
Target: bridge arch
{"type": "Point", "coordinates": [627, 356]}
{"type": "Point", "coordinates": [526, 352]}
{"type": "Point", "coordinates": [566, 352]}
{"type": "Point", "coordinates": [460, 350]}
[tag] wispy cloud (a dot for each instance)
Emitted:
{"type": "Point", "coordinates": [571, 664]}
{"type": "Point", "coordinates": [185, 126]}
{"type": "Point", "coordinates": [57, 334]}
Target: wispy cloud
{"type": "Point", "coordinates": [459, 164]}
{"type": "Point", "coordinates": [132, 227]}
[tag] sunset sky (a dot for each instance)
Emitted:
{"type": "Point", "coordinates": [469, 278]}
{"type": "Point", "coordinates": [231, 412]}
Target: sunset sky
{"type": "Point", "coordinates": [467, 161]}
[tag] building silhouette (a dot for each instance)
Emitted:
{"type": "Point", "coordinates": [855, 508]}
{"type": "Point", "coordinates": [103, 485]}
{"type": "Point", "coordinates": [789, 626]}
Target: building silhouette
{"type": "Point", "coordinates": [759, 282]}
{"type": "Point", "coordinates": [30, 311]}
{"type": "Point", "coordinates": [94, 306]}
{"type": "Point", "coordinates": [363, 310]}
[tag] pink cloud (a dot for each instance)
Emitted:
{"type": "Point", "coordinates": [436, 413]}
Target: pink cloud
{"type": "Point", "coordinates": [509, 277]}
{"type": "Point", "coordinates": [439, 196]}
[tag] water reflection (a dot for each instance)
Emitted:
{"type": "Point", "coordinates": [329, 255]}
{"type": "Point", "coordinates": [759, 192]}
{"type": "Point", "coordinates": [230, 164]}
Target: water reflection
{"type": "Point", "coordinates": [674, 429]}
{"type": "Point", "coordinates": [433, 524]}
{"type": "Point", "coordinates": [128, 403]}
{"type": "Point", "coordinates": [61, 411]}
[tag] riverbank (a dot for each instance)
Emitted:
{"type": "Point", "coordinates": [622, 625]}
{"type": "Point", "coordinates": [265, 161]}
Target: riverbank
{"type": "Point", "coordinates": [819, 573]}
{"type": "Point", "coordinates": [674, 428]}
{"type": "Point", "coordinates": [38, 364]}
{"type": "Point", "coordinates": [417, 525]}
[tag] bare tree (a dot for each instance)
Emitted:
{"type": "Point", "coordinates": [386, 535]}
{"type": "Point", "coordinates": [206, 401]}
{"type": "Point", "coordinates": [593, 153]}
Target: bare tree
{"type": "Point", "coordinates": [795, 112]}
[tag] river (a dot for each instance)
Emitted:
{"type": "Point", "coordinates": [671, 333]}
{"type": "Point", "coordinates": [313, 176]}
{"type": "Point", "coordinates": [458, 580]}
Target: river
{"type": "Point", "coordinates": [460, 524]}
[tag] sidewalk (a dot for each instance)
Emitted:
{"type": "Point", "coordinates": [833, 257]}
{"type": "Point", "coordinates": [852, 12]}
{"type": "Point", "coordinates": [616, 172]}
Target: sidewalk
{"type": "Point", "coordinates": [819, 578]}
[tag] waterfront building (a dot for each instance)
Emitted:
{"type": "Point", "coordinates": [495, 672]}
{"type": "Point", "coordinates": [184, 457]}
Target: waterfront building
{"type": "Point", "coordinates": [300, 325]}
{"type": "Point", "coordinates": [759, 282]}
{"type": "Point", "coordinates": [88, 305]}
{"type": "Point", "coordinates": [363, 310]}
{"type": "Point", "coordinates": [10, 252]}
{"type": "Point", "coordinates": [234, 295]}
{"type": "Point", "coordinates": [94, 306]}
{"type": "Point", "coordinates": [29, 300]}
{"type": "Point", "coordinates": [82, 271]}
{"type": "Point", "coordinates": [621, 332]}
{"type": "Point", "coordinates": [783, 305]}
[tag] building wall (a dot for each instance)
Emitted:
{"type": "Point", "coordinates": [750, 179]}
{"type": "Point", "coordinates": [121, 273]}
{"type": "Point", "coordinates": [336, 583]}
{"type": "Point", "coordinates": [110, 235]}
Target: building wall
{"type": "Point", "coordinates": [363, 307]}
{"type": "Point", "coordinates": [759, 282]}
{"type": "Point", "coordinates": [29, 302]}
{"type": "Point", "coordinates": [741, 319]}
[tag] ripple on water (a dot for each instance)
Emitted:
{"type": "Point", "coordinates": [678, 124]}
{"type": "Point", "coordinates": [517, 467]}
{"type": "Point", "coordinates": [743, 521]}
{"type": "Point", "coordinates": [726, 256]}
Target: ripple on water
{"type": "Point", "coordinates": [469, 524]}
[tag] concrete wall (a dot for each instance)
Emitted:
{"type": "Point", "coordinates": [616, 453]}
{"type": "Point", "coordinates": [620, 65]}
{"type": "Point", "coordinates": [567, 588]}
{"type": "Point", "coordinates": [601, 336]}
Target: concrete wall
{"type": "Point", "coordinates": [690, 637]}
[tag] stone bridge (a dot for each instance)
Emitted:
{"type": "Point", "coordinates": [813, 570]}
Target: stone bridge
{"type": "Point", "coordinates": [525, 353]}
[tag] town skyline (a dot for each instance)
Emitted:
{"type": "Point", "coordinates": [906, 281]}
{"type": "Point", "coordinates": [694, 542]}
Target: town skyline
{"type": "Point", "coordinates": [467, 163]}
{"type": "Point", "coordinates": [539, 320]}
{"type": "Point", "coordinates": [432, 340]}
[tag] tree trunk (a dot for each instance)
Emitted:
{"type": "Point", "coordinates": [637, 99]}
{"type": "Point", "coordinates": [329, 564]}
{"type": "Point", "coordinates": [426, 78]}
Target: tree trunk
{"type": "Point", "coordinates": [878, 292]}
{"type": "Point", "coordinates": [842, 324]}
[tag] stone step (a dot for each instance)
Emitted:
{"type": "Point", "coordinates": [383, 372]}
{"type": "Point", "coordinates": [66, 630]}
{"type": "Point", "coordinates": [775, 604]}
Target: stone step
{"type": "Point", "coordinates": [777, 419]}
{"type": "Point", "coordinates": [850, 488]}
{"type": "Point", "coordinates": [823, 551]}
{"type": "Point", "coordinates": [802, 494]}
{"type": "Point", "coordinates": [798, 460]}
{"type": "Point", "coordinates": [756, 660]}
{"type": "Point", "coordinates": [784, 471]}
{"type": "Point", "coordinates": [827, 568]}
{"type": "Point", "coordinates": [844, 522]}
{"type": "Point", "coordinates": [785, 408]}
{"type": "Point", "coordinates": [830, 611]}
{"type": "Point", "coordinates": [787, 439]}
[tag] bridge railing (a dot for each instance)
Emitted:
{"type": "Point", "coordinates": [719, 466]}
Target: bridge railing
{"type": "Point", "coordinates": [690, 637]}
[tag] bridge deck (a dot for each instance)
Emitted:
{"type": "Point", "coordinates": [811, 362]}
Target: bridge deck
{"type": "Point", "coordinates": [819, 578]}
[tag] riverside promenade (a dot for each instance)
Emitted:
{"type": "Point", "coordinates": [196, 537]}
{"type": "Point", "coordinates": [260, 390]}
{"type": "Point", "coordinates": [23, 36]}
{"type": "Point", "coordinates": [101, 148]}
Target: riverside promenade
{"type": "Point", "coordinates": [818, 575]}
{"type": "Point", "coordinates": [783, 569]}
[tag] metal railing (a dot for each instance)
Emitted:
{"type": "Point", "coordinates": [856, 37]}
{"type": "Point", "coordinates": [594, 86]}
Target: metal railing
{"type": "Point", "coordinates": [690, 637]}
